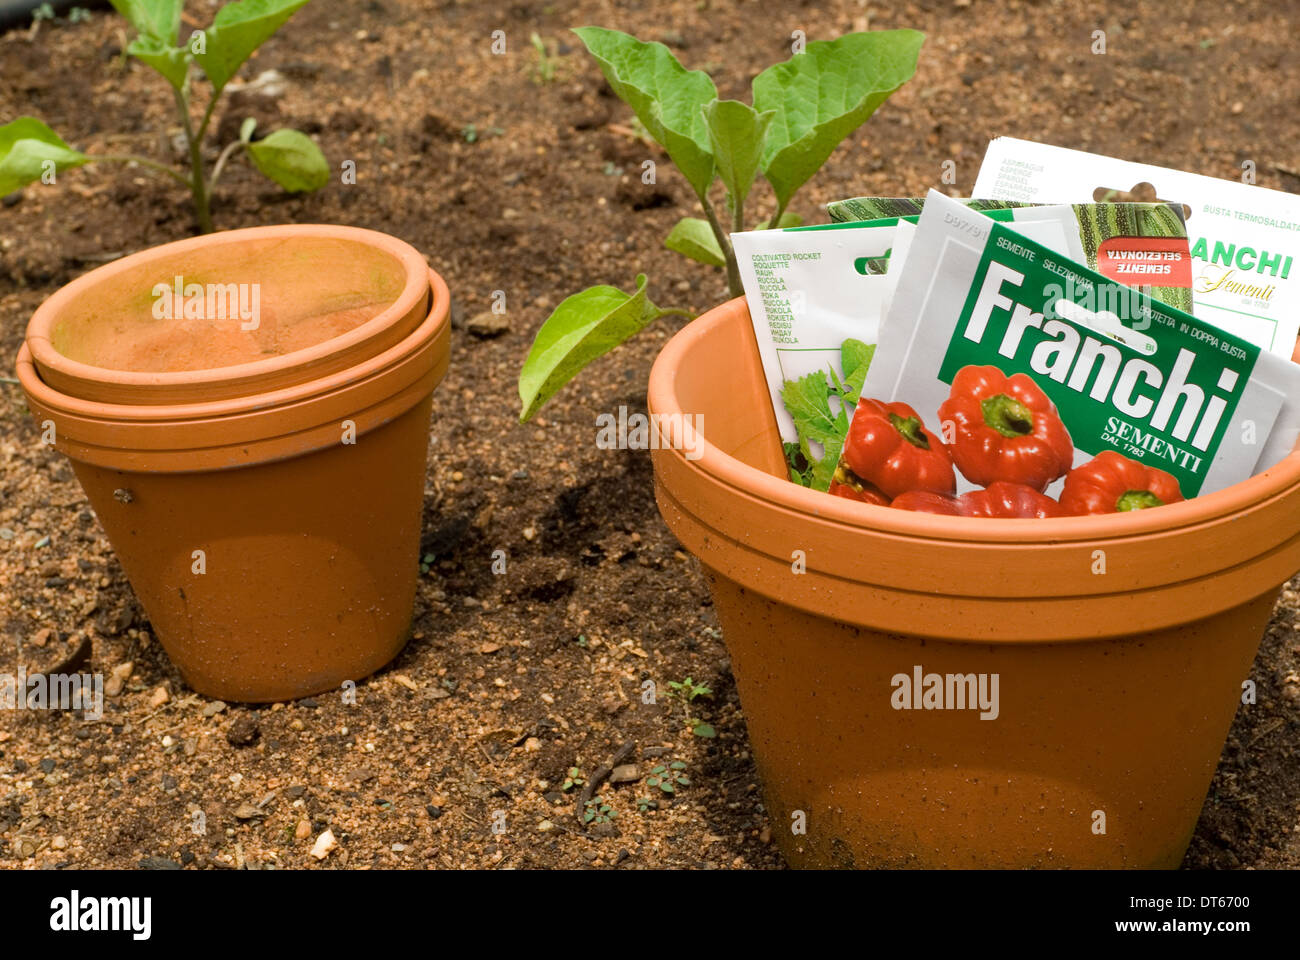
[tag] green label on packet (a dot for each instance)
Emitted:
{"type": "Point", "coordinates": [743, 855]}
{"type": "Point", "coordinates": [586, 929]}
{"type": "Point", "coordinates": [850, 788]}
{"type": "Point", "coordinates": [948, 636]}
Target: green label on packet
{"type": "Point", "coordinates": [1127, 372]}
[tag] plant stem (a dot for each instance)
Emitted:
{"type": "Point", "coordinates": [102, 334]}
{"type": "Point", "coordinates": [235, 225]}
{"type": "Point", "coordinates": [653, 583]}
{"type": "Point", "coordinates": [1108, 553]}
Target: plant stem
{"type": "Point", "coordinates": [221, 164]}
{"type": "Point", "coordinates": [198, 185]}
{"type": "Point", "coordinates": [143, 161]}
{"type": "Point", "coordinates": [776, 217]}
{"type": "Point", "coordinates": [8, 380]}
{"type": "Point", "coordinates": [724, 244]}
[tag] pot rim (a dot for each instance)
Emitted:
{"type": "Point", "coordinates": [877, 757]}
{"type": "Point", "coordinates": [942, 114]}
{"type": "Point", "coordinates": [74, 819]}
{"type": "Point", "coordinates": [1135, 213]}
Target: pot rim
{"type": "Point", "coordinates": [225, 379]}
{"type": "Point", "coordinates": [781, 492]}
{"type": "Point", "coordinates": [47, 396]}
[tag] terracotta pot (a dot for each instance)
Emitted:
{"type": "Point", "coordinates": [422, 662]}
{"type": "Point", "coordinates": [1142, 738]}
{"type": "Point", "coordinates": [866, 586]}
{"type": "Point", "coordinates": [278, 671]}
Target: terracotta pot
{"type": "Point", "coordinates": [1120, 644]}
{"type": "Point", "coordinates": [327, 297]}
{"type": "Point", "coordinates": [308, 544]}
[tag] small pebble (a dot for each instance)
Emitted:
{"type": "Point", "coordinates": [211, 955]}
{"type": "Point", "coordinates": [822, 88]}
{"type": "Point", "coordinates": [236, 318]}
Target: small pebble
{"type": "Point", "coordinates": [324, 844]}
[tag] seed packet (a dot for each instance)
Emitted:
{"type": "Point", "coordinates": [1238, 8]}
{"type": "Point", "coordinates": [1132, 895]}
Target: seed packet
{"type": "Point", "coordinates": [1244, 238]}
{"type": "Point", "coordinates": [1142, 244]}
{"type": "Point", "coordinates": [816, 295]}
{"type": "Point", "coordinates": [1123, 371]}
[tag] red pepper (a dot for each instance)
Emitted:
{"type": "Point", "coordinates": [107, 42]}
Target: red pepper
{"type": "Point", "coordinates": [923, 501]}
{"type": "Point", "coordinates": [845, 483]}
{"type": "Point", "coordinates": [1010, 500]}
{"type": "Point", "coordinates": [1005, 428]}
{"type": "Point", "coordinates": [1112, 483]}
{"type": "Point", "coordinates": [1001, 500]}
{"type": "Point", "coordinates": [889, 448]}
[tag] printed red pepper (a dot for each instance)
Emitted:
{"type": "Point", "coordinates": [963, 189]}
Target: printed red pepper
{"type": "Point", "coordinates": [1005, 428]}
{"type": "Point", "coordinates": [889, 448]}
{"type": "Point", "coordinates": [1112, 483]}
{"type": "Point", "coordinates": [1010, 501]}
{"type": "Point", "coordinates": [1001, 500]}
{"type": "Point", "coordinates": [923, 501]}
{"type": "Point", "coordinates": [845, 483]}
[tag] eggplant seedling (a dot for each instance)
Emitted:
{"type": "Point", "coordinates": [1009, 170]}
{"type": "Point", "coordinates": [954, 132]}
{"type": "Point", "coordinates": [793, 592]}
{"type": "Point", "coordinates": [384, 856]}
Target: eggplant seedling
{"type": "Point", "coordinates": [30, 151]}
{"type": "Point", "coordinates": [802, 109]}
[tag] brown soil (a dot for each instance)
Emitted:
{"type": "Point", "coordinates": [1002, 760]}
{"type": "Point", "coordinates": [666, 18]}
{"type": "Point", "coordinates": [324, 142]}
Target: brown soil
{"type": "Point", "coordinates": [534, 189]}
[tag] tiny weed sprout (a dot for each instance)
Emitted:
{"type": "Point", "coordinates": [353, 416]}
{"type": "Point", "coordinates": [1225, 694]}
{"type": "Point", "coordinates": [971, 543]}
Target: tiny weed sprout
{"type": "Point", "coordinates": [686, 691]}
{"type": "Point", "coordinates": [30, 151]}
{"type": "Point", "coordinates": [545, 62]}
{"type": "Point", "coordinates": [668, 777]}
{"type": "Point", "coordinates": [596, 810]}
{"type": "Point", "coordinates": [574, 778]}
{"type": "Point", "coordinates": [802, 110]}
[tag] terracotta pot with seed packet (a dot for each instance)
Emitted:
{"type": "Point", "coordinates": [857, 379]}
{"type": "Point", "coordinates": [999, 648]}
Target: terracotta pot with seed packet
{"type": "Point", "coordinates": [258, 467]}
{"type": "Point", "coordinates": [929, 691]}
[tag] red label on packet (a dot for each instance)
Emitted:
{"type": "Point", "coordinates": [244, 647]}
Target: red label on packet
{"type": "Point", "coordinates": [1142, 261]}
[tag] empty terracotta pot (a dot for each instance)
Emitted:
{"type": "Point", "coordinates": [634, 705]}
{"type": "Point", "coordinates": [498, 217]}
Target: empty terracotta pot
{"type": "Point", "coordinates": [1119, 645]}
{"type": "Point", "coordinates": [268, 518]}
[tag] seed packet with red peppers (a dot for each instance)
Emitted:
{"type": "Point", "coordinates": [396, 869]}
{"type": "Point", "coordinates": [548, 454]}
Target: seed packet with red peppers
{"type": "Point", "coordinates": [816, 295]}
{"type": "Point", "coordinates": [1027, 364]}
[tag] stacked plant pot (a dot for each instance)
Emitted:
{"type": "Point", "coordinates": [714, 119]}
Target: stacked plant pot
{"type": "Point", "coordinates": [1119, 643]}
{"type": "Point", "coordinates": [259, 477]}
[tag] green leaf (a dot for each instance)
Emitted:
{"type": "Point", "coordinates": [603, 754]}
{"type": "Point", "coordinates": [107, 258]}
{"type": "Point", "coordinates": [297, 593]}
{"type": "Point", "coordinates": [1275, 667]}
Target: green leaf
{"type": "Point", "coordinates": [693, 237]}
{"type": "Point", "coordinates": [667, 787]}
{"type": "Point", "coordinates": [160, 19]}
{"type": "Point", "coordinates": [737, 133]}
{"type": "Point", "coordinates": [237, 30]}
{"type": "Point", "coordinates": [808, 402]}
{"type": "Point", "coordinates": [292, 160]}
{"type": "Point", "coordinates": [667, 98]}
{"type": "Point", "coordinates": [246, 130]}
{"type": "Point", "coordinates": [825, 93]}
{"type": "Point", "coordinates": [172, 62]}
{"type": "Point", "coordinates": [800, 468]}
{"type": "Point", "coordinates": [583, 327]}
{"type": "Point", "coordinates": [855, 360]}
{"type": "Point", "coordinates": [27, 148]}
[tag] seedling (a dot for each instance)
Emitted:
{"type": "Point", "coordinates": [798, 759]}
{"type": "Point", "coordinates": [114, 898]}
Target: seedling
{"type": "Point", "coordinates": [43, 12]}
{"type": "Point", "coordinates": [596, 810]}
{"type": "Point", "coordinates": [574, 778]}
{"type": "Point", "coordinates": [31, 151]}
{"type": "Point", "coordinates": [802, 109]}
{"type": "Point", "coordinates": [668, 778]}
{"type": "Point", "coordinates": [473, 134]}
{"type": "Point", "coordinates": [426, 563]}
{"type": "Point", "coordinates": [545, 62]}
{"type": "Point", "coordinates": [645, 804]}
{"type": "Point", "coordinates": [78, 15]}
{"type": "Point", "coordinates": [686, 691]}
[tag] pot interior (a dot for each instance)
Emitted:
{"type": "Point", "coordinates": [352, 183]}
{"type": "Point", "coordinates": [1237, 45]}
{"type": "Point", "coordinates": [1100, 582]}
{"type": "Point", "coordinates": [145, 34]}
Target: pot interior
{"type": "Point", "coordinates": [227, 304]}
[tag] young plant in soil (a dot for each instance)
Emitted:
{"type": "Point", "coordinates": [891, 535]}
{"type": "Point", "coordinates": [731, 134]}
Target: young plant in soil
{"type": "Point", "coordinates": [668, 777]}
{"type": "Point", "coordinates": [31, 151]}
{"type": "Point", "coordinates": [686, 691]}
{"type": "Point", "coordinates": [802, 109]}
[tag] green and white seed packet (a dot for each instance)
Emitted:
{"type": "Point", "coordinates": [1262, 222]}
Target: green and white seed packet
{"type": "Point", "coordinates": [1126, 372]}
{"type": "Point", "coordinates": [1244, 238]}
{"type": "Point", "coordinates": [812, 289]}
